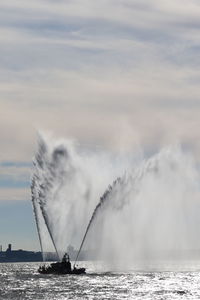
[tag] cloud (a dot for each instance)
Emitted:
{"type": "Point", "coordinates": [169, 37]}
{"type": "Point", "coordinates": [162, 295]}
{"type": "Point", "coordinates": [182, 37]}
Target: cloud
{"type": "Point", "coordinates": [8, 194]}
{"type": "Point", "coordinates": [14, 180]}
{"type": "Point", "coordinates": [87, 69]}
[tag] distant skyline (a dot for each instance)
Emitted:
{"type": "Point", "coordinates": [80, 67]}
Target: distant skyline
{"type": "Point", "coordinates": [119, 74]}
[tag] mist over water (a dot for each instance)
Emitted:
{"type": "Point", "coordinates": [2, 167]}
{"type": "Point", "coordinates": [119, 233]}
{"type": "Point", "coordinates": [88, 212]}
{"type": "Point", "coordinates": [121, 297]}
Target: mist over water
{"type": "Point", "coordinates": [135, 211]}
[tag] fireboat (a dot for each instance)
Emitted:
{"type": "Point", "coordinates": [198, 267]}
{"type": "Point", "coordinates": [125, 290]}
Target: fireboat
{"type": "Point", "coordinates": [61, 268]}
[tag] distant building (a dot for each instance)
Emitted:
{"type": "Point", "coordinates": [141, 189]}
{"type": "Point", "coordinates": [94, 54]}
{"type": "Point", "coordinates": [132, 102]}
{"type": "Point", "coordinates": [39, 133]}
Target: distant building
{"type": "Point", "coordinates": [22, 256]}
{"type": "Point", "coordinates": [30, 256]}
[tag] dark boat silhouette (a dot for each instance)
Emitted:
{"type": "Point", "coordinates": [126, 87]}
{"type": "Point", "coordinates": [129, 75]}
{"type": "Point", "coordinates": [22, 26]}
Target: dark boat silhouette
{"type": "Point", "coordinates": [63, 267]}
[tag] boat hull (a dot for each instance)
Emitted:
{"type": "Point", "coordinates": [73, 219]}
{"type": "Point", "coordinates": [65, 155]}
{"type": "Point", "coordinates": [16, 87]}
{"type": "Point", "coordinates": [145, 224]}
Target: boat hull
{"type": "Point", "coordinates": [58, 268]}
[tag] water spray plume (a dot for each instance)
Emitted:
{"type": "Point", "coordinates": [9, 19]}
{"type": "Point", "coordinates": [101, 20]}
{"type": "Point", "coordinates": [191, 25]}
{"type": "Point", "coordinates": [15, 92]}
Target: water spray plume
{"type": "Point", "coordinates": [102, 200]}
{"type": "Point", "coordinates": [40, 186]}
{"type": "Point", "coordinates": [105, 200]}
{"type": "Point", "coordinates": [151, 209]}
{"type": "Point", "coordinates": [34, 198]}
{"type": "Point", "coordinates": [67, 189]}
{"type": "Point", "coordinates": [129, 196]}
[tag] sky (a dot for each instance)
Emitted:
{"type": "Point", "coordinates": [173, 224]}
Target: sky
{"type": "Point", "coordinates": [121, 74]}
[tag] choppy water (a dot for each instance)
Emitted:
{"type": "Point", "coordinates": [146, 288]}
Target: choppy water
{"type": "Point", "coordinates": [21, 281]}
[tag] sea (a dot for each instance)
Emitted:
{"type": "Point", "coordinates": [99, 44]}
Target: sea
{"type": "Point", "coordinates": [166, 281]}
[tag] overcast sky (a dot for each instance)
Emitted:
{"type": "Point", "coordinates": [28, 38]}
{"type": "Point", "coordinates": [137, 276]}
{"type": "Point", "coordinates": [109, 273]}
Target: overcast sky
{"type": "Point", "coordinates": [114, 73]}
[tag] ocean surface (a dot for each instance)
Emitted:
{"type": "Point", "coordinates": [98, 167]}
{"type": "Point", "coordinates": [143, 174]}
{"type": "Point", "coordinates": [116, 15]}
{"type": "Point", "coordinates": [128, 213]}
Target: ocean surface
{"type": "Point", "coordinates": [22, 281]}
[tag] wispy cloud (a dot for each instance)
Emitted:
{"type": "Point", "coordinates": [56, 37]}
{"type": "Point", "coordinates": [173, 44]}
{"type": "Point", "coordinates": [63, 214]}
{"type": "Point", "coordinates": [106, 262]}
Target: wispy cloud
{"type": "Point", "coordinates": [8, 194]}
{"type": "Point", "coordinates": [87, 69]}
{"type": "Point", "coordinates": [15, 180]}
